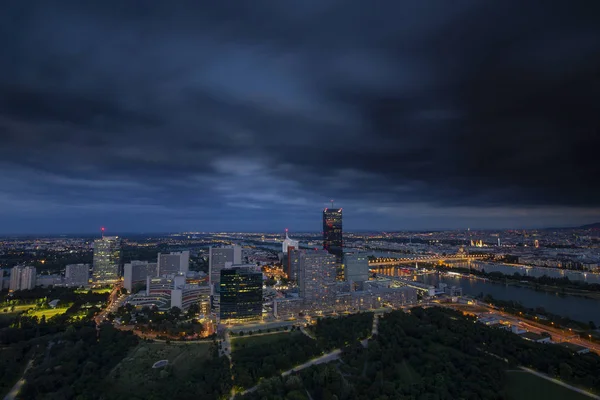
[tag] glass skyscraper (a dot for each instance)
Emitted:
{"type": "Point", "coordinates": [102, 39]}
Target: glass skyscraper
{"type": "Point", "coordinates": [241, 294]}
{"type": "Point", "coordinates": [107, 259]}
{"type": "Point", "coordinates": [332, 232]}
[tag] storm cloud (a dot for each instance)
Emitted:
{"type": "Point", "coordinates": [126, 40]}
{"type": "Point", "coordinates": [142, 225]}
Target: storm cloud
{"type": "Point", "coordinates": [151, 116]}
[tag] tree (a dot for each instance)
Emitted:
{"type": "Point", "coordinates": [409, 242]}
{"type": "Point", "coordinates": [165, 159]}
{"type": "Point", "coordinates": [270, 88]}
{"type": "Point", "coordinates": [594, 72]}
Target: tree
{"type": "Point", "coordinates": [175, 312]}
{"type": "Point", "coordinates": [565, 371]}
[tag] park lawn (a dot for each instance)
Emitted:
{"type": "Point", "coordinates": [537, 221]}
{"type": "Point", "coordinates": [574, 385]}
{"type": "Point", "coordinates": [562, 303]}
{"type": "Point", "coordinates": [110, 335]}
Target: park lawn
{"type": "Point", "coordinates": [18, 309]}
{"type": "Point", "coordinates": [136, 369]}
{"type": "Point", "coordinates": [522, 385]}
{"type": "Point", "coordinates": [100, 290]}
{"type": "Point", "coordinates": [238, 342]}
{"type": "Point", "coordinates": [49, 313]}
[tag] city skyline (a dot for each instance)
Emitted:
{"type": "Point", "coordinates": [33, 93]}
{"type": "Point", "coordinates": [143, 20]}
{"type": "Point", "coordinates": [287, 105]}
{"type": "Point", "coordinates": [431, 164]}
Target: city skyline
{"type": "Point", "coordinates": [205, 118]}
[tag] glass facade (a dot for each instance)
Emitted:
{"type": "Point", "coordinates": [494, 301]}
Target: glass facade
{"type": "Point", "coordinates": [107, 259]}
{"type": "Point", "coordinates": [241, 296]}
{"type": "Point", "coordinates": [332, 232]}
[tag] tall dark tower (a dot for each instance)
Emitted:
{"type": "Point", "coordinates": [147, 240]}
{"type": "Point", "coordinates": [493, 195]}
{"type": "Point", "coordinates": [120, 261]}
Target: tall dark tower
{"type": "Point", "coordinates": [332, 231]}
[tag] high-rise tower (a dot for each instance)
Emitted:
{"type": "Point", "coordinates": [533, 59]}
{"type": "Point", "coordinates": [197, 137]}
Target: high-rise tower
{"type": "Point", "coordinates": [107, 259]}
{"type": "Point", "coordinates": [332, 232]}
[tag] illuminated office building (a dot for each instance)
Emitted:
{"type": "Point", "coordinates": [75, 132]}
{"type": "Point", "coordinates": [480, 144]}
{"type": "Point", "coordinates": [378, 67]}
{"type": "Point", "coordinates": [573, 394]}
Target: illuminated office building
{"type": "Point", "coordinates": [316, 276]}
{"type": "Point", "coordinates": [332, 232]}
{"type": "Point", "coordinates": [241, 296]}
{"type": "Point", "coordinates": [107, 259]}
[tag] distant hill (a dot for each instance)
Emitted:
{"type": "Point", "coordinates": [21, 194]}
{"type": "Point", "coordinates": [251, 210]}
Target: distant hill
{"type": "Point", "coordinates": [591, 226]}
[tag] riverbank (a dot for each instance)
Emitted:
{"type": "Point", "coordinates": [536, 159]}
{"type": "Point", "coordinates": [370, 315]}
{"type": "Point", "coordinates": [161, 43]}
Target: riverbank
{"type": "Point", "coordinates": [561, 287]}
{"type": "Point", "coordinates": [576, 308]}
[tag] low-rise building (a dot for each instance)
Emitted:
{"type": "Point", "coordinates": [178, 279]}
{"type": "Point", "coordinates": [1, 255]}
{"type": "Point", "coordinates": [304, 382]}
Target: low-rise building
{"type": "Point", "coordinates": [171, 291]}
{"type": "Point", "coordinates": [534, 337]}
{"type": "Point", "coordinates": [574, 348]}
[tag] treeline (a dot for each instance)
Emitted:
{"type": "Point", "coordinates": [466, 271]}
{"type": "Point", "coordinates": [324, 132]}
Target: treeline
{"type": "Point", "coordinates": [76, 362]}
{"type": "Point", "coordinates": [337, 332]}
{"type": "Point", "coordinates": [432, 353]}
{"type": "Point", "coordinates": [253, 359]}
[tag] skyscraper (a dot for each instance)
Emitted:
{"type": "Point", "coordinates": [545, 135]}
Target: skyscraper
{"type": "Point", "coordinates": [173, 263]}
{"type": "Point", "coordinates": [218, 257]}
{"type": "Point", "coordinates": [288, 247]}
{"type": "Point", "coordinates": [332, 232]}
{"type": "Point", "coordinates": [77, 275]}
{"type": "Point", "coordinates": [316, 276]}
{"type": "Point", "coordinates": [107, 259]}
{"type": "Point", "coordinates": [241, 294]}
{"type": "Point", "coordinates": [137, 272]}
{"type": "Point", "coordinates": [22, 278]}
{"type": "Point", "coordinates": [356, 268]}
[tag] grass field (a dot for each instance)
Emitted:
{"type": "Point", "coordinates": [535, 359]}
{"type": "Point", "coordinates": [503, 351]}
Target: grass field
{"type": "Point", "coordinates": [49, 313]}
{"type": "Point", "coordinates": [17, 309]}
{"type": "Point", "coordinates": [136, 369]}
{"type": "Point", "coordinates": [100, 290]}
{"type": "Point", "coordinates": [238, 342]}
{"type": "Point", "coordinates": [522, 385]}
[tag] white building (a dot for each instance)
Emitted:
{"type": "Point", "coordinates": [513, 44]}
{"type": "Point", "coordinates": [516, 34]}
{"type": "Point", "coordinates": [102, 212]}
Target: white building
{"type": "Point", "coordinates": [289, 243]}
{"type": "Point", "coordinates": [22, 278]}
{"type": "Point", "coordinates": [218, 257]}
{"type": "Point", "coordinates": [77, 275]}
{"type": "Point", "coordinates": [173, 263]}
{"type": "Point", "coordinates": [137, 272]}
{"type": "Point", "coordinates": [171, 291]}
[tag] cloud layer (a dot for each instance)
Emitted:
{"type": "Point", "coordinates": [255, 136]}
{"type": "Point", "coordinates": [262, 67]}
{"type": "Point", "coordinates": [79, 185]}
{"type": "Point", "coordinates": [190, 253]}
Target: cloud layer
{"type": "Point", "coordinates": [412, 115]}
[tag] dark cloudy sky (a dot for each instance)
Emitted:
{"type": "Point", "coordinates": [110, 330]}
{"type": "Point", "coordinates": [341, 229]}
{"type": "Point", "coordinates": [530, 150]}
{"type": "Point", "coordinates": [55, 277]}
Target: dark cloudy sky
{"type": "Point", "coordinates": [251, 115]}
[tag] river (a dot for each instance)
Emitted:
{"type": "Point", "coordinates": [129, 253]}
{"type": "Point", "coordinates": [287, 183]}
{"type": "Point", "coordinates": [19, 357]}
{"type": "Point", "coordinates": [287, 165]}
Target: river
{"type": "Point", "coordinates": [536, 271]}
{"type": "Point", "coordinates": [577, 308]}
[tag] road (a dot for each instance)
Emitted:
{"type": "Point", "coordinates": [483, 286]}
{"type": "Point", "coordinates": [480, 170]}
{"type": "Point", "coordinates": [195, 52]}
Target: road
{"type": "Point", "coordinates": [374, 331]}
{"type": "Point", "coordinates": [114, 302]}
{"type": "Point", "coordinates": [558, 335]}
{"type": "Point", "coordinates": [561, 383]}
{"type": "Point", "coordinates": [17, 388]}
{"type": "Point", "coordinates": [325, 358]}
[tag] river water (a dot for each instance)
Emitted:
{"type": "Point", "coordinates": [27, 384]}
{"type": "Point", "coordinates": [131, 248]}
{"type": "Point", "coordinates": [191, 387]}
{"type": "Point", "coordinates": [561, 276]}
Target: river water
{"type": "Point", "coordinates": [536, 271]}
{"type": "Point", "coordinates": [577, 308]}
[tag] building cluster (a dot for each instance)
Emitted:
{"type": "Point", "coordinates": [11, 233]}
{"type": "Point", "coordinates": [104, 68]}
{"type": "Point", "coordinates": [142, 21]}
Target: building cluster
{"type": "Point", "coordinates": [331, 280]}
{"type": "Point", "coordinates": [172, 290]}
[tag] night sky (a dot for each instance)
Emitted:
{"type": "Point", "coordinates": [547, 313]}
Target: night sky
{"type": "Point", "coordinates": [250, 115]}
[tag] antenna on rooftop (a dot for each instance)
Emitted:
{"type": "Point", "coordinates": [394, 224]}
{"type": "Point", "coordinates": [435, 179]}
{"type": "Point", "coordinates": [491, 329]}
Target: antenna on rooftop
{"type": "Point", "coordinates": [331, 203]}
{"type": "Point", "coordinates": [102, 232]}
